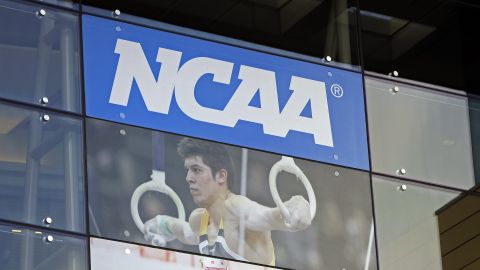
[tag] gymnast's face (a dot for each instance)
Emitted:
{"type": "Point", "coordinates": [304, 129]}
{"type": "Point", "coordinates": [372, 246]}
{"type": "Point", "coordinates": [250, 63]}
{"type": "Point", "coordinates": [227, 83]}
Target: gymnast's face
{"type": "Point", "coordinates": [204, 187]}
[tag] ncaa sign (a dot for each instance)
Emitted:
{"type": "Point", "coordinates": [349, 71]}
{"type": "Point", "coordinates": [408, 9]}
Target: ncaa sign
{"type": "Point", "coordinates": [199, 88]}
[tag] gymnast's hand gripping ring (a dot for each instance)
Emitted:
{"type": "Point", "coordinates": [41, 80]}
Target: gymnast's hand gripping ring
{"type": "Point", "coordinates": [288, 165]}
{"type": "Point", "coordinates": [156, 184]}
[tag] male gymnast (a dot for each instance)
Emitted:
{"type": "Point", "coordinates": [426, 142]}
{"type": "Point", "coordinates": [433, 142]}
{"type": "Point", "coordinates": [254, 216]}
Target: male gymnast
{"type": "Point", "coordinates": [215, 225]}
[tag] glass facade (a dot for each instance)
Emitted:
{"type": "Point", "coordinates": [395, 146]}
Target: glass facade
{"type": "Point", "coordinates": [28, 248]}
{"type": "Point", "coordinates": [338, 235]}
{"type": "Point", "coordinates": [303, 29]}
{"type": "Point", "coordinates": [42, 168]}
{"type": "Point", "coordinates": [82, 193]}
{"type": "Point", "coordinates": [421, 131]}
{"type": "Point", "coordinates": [407, 229]}
{"type": "Point", "coordinates": [40, 55]}
{"type": "Point", "coordinates": [427, 41]}
{"type": "Point", "coordinates": [106, 254]}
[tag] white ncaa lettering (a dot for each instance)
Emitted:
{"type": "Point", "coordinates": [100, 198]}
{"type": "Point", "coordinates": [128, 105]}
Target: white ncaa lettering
{"type": "Point", "coordinates": [305, 90]}
{"type": "Point", "coordinates": [267, 115]}
{"type": "Point", "coordinates": [133, 65]}
{"type": "Point", "coordinates": [188, 76]}
{"type": "Point", "coordinates": [157, 92]}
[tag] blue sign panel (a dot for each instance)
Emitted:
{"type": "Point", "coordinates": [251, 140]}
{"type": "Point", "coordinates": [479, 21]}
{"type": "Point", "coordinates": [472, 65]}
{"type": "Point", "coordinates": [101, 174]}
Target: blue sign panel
{"type": "Point", "coordinates": [169, 82]}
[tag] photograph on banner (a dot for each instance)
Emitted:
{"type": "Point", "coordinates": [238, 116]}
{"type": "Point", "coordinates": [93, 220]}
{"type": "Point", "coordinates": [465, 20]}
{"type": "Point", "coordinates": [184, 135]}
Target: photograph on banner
{"type": "Point", "coordinates": [209, 198]}
{"type": "Point", "coordinates": [112, 255]}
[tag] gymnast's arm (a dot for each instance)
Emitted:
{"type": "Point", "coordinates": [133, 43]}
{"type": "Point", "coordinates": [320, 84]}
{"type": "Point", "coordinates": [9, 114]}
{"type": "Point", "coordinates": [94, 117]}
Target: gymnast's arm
{"type": "Point", "coordinates": [185, 231]}
{"type": "Point", "coordinates": [261, 218]}
{"type": "Point", "coordinates": [169, 226]}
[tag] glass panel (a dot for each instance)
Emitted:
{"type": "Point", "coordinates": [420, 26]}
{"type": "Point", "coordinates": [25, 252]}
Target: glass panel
{"type": "Point", "coordinates": [41, 168]}
{"type": "Point", "coordinates": [313, 28]}
{"type": "Point", "coordinates": [425, 40]}
{"type": "Point", "coordinates": [41, 47]}
{"type": "Point", "coordinates": [407, 229]}
{"type": "Point", "coordinates": [474, 104]}
{"type": "Point", "coordinates": [424, 132]}
{"type": "Point", "coordinates": [121, 159]}
{"type": "Point", "coordinates": [106, 255]}
{"type": "Point", "coordinates": [22, 248]}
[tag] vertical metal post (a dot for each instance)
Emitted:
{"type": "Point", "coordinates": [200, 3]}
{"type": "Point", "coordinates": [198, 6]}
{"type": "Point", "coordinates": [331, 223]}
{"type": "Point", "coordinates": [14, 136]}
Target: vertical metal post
{"type": "Point", "coordinates": [71, 148]}
{"type": "Point", "coordinates": [71, 151]}
{"type": "Point", "coordinates": [243, 192]}
{"type": "Point", "coordinates": [35, 134]}
{"type": "Point", "coordinates": [343, 31]}
{"type": "Point", "coordinates": [337, 41]}
{"type": "Point", "coordinates": [330, 39]}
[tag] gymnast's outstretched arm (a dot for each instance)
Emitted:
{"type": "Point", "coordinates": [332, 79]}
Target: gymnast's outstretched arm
{"type": "Point", "coordinates": [167, 226]}
{"type": "Point", "coordinates": [261, 218]}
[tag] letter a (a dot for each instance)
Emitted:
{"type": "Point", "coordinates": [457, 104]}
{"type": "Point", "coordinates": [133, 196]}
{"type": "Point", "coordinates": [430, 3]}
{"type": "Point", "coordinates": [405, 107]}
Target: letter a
{"type": "Point", "coordinates": [305, 90]}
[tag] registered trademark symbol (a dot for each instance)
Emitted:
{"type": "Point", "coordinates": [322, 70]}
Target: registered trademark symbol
{"type": "Point", "coordinates": [337, 90]}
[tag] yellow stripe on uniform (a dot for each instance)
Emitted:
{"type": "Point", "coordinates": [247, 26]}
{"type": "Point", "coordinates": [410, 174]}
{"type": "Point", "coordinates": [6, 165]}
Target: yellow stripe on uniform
{"type": "Point", "coordinates": [204, 223]}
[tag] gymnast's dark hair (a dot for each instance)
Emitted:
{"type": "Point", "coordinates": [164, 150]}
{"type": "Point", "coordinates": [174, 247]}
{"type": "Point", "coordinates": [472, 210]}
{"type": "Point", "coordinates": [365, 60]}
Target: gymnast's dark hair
{"type": "Point", "coordinates": [214, 155]}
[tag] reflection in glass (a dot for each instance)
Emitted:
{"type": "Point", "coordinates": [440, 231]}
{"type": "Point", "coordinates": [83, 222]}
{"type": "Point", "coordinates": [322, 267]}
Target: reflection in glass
{"type": "Point", "coordinates": [73, 4]}
{"type": "Point", "coordinates": [22, 248]}
{"type": "Point", "coordinates": [122, 159]}
{"type": "Point", "coordinates": [424, 132]}
{"type": "Point", "coordinates": [407, 230]}
{"type": "Point", "coordinates": [41, 172]}
{"type": "Point", "coordinates": [39, 52]}
{"type": "Point", "coordinates": [474, 105]}
{"type": "Point", "coordinates": [427, 41]}
{"type": "Point", "coordinates": [459, 228]}
{"type": "Point", "coordinates": [296, 28]}
{"type": "Point", "coordinates": [111, 255]}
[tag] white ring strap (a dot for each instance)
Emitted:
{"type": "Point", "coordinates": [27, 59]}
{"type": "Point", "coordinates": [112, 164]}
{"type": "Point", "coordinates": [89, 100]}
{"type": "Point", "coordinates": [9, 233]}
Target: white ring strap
{"type": "Point", "coordinates": [156, 184]}
{"type": "Point", "coordinates": [288, 165]}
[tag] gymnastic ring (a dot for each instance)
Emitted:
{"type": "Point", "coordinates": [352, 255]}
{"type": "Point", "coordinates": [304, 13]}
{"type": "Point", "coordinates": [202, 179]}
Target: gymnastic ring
{"type": "Point", "coordinates": [156, 184]}
{"type": "Point", "coordinates": [288, 165]}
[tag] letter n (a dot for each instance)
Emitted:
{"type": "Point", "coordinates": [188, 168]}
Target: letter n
{"type": "Point", "coordinates": [133, 65]}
